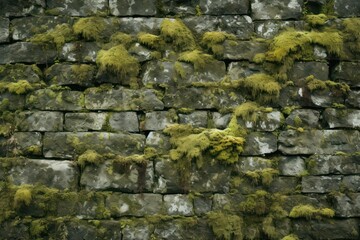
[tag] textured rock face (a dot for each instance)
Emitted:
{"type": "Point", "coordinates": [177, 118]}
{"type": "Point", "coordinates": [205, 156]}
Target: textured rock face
{"type": "Point", "coordinates": [266, 9]}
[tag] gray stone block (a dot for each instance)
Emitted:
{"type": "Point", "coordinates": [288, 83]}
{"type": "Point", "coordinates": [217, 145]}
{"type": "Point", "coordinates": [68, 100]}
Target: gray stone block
{"type": "Point", "coordinates": [140, 230]}
{"type": "Point", "coordinates": [243, 50]}
{"type": "Point", "coordinates": [195, 119]}
{"type": "Point", "coordinates": [64, 74]}
{"type": "Point", "coordinates": [202, 205]}
{"type": "Point", "coordinates": [135, 25]}
{"type": "Point", "coordinates": [124, 121]}
{"type": "Point", "coordinates": [201, 24]}
{"type": "Point", "coordinates": [351, 183]}
{"type": "Point", "coordinates": [347, 72]}
{"type": "Point", "coordinates": [17, 101]}
{"type": "Point", "coordinates": [159, 72]}
{"type": "Point", "coordinates": [301, 70]}
{"type": "Point", "coordinates": [269, 29]}
{"type": "Point", "coordinates": [252, 164]}
{"type": "Point", "coordinates": [267, 122]}
{"type": "Point", "coordinates": [347, 205]}
{"type": "Point", "coordinates": [353, 99]}
{"type": "Point", "coordinates": [260, 143]}
{"type": "Point", "coordinates": [142, 54]}
{"type": "Point", "coordinates": [284, 185]}
{"type": "Point", "coordinates": [20, 8]}
{"type": "Point", "coordinates": [241, 26]}
{"type": "Point", "coordinates": [221, 121]}
{"type": "Point", "coordinates": [40, 121]}
{"type": "Point", "coordinates": [78, 122]}
{"type": "Point", "coordinates": [178, 204]}
{"type": "Point", "coordinates": [79, 52]}
{"type": "Point", "coordinates": [238, 70]}
{"type": "Point", "coordinates": [78, 8]}
{"type": "Point", "coordinates": [342, 118]}
{"type": "Point", "coordinates": [159, 141]}
{"type": "Point", "coordinates": [347, 8]}
{"type": "Point", "coordinates": [227, 7]}
{"type": "Point", "coordinates": [304, 118]}
{"type": "Point", "coordinates": [138, 8]}
{"type": "Point", "coordinates": [276, 9]}
{"type": "Point", "coordinates": [29, 143]}
{"type": "Point", "coordinates": [291, 166]}
{"type": "Point", "coordinates": [4, 29]}
{"type": "Point", "coordinates": [168, 177]}
{"type": "Point", "coordinates": [328, 164]}
{"type": "Point", "coordinates": [320, 184]}
{"type": "Point", "coordinates": [16, 72]}
{"type": "Point", "coordinates": [158, 120]}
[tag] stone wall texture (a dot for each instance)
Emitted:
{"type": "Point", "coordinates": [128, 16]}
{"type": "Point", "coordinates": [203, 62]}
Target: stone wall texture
{"type": "Point", "coordinates": [167, 119]}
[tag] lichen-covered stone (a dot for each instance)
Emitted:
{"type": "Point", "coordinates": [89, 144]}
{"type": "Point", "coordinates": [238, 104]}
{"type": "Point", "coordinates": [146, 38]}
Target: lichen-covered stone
{"type": "Point", "coordinates": [142, 54]}
{"type": "Point", "coordinates": [135, 25]}
{"type": "Point", "coordinates": [347, 72]}
{"type": "Point", "coordinates": [347, 205]}
{"type": "Point", "coordinates": [67, 145]}
{"type": "Point", "coordinates": [202, 204]}
{"type": "Point", "coordinates": [26, 52]}
{"type": "Point", "coordinates": [158, 141]}
{"type": "Point", "coordinates": [342, 118]}
{"type": "Point", "coordinates": [124, 121]}
{"type": "Point", "coordinates": [241, 26]}
{"type": "Point", "coordinates": [158, 120]}
{"type": "Point", "coordinates": [174, 7]}
{"type": "Point", "coordinates": [40, 121]}
{"type": "Point", "coordinates": [270, 9]}
{"type": "Point", "coordinates": [4, 29]}
{"type": "Point", "coordinates": [138, 8]}
{"type": "Point", "coordinates": [77, 8]}
{"type": "Point", "coordinates": [347, 8]}
{"type": "Point", "coordinates": [267, 122]}
{"type": "Point", "coordinates": [318, 141]}
{"type": "Point", "coordinates": [227, 7]}
{"type": "Point", "coordinates": [351, 183]}
{"type": "Point", "coordinates": [124, 178]}
{"type": "Point", "coordinates": [320, 184]}
{"type": "Point", "coordinates": [259, 143]}
{"type": "Point", "coordinates": [195, 119]}
{"type": "Point", "coordinates": [201, 24]}
{"type": "Point", "coordinates": [122, 99]}
{"type": "Point", "coordinates": [252, 164]}
{"type": "Point", "coordinates": [337, 164]}
{"type": "Point", "coordinates": [138, 205]}
{"type": "Point", "coordinates": [158, 72]}
{"type": "Point", "coordinates": [9, 230]}
{"type": "Point", "coordinates": [78, 122]}
{"type": "Point", "coordinates": [353, 99]}
{"type": "Point", "coordinates": [220, 121]}
{"type": "Point", "coordinates": [304, 118]}
{"type": "Point", "coordinates": [17, 101]}
{"type": "Point", "coordinates": [300, 70]}
{"type": "Point", "coordinates": [243, 69]}
{"type": "Point", "coordinates": [269, 29]}
{"type": "Point", "coordinates": [47, 99]}
{"type": "Point", "coordinates": [19, 8]}
{"type": "Point", "coordinates": [178, 204]}
{"type": "Point", "coordinates": [291, 166]}
{"type": "Point", "coordinates": [284, 185]}
{"type": "Point", "coordinates": [29, 143]}
{"type": "Point", "coordinates": [243, 50]}
{"type": "Point", "coordinates": [16, 72]}
{"type": "Point", "coordinates": [140, 230]}
{"type": "Point", "coordinates": [79, 52]}
{"type": "Point", "coordinates": [168, 178]}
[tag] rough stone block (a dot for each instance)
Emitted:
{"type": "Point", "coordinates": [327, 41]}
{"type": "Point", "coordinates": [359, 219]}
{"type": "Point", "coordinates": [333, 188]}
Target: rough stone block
{"type": "Point", "coordinates": [318, 141]}
{"type": "Point", "coordinates": [140, 230]}
{"type": "Point", "coordinates": [159, 72]}
{"type": "Point", "coordinates": [241, 26]}
{"type": "Point", "coordinates": [195, 119]}
{"type": "Point", "coordinates": [353, 99]}
{"type": "Point", "coordinates": [17, 101]}
{"type": "Point", "coordinates": [141, 53]}
{"type": "Point", "coordinates": [158, 120]}
{"type": "Point", "coordinates": [269, 29]}
{"type": "Point", "coordinates": [243, 50]}
{"type": "Point", "coordinates": [320, 184]}
{"type": "Point", "coordinates": [178, 205]}
{"type": "Point", "coordinates": [304, 118]}
{"type": "Point", "coordinates": [351, 183]}
{"type": "Point", "coordinates": [202, 205]}
{"type": "Point", "coordinates": [227, 7]}
{"type": "Point", "coordinates": [29, 143]}
{"type": "Point", "coordinates": [40, 121]}
{"type": "Point", "coordinates": [221, 121]}
{"type": "Point", "coordinates": [78, 122]}
{"type": "Point", "coordinates": [300, 70]}
{"type": "Point", "coordinates": [317, 201]}
{"type": "Point", "coordinates": [138, 8]}
{"type": "Point", "coordinates": [276, 9]}
{"type": "Point", "coordinates": [138, 205]}
{"type": "Point", "coordinates": [124, 121]}
{"type": "Point", "coordinates": [16, 72]}
{"type": "Point", "coordinates": [158, 141]}
{"type": "Point", "coordinates": [67, 145]}
{"type": "Point", "coordinates": [168, 177]}
{"type": "Point", "coordinates": [136, 25]}
{"type": "Point", "coordinates": [259, 143]}
{"type": "Point", "coordinates": [284, 185]}
{"type": "Point", "coordinates": [19, 8]}
{"type": "Point", "coordinates": [238, 70]}
{"type": "Point", "coordinates": [347, 72]}
{"type": "Point", "coordinates": [201, 24]}
{"type": "Point", "coordinates": [111, 175]}
{"type": "Point", "coordinates": [291, 166]}
{"type": "Point", "coordinates": [54, 174]}
{"type": "Point", "coordinates": [347, 8]}
{"type": "Point", "coordinates": [253, 164]}
{"type": "Point", "coordinates": [122, 99]}
{"type": "Point", "coordinates": [328, 164]}
{"type": "Point", "coordinates": [47, 99]}
{"type": "Point", "coordinates": [174, 7]}
{"type": "Point", "coordinates": [9, 230]}
{"type": "Point", "coordinates": [347, 205]}
{"type": "Point", "coordinates": [78, 8]}
{"type": "Point", "coordinates": [267, 122]}
{"type": "Point", "coordinates": [64, 74]}
{"type": "Point", "coordinates": [79, 52]}
{"type": "Point", "coordinates": [342, 118]}
{"type": "Point", "coordinates": [4, 29]}
{"type": "Point", "coordinates": [26, 52]}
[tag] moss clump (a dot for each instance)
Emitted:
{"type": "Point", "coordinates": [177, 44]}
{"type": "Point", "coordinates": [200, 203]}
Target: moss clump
{"type": "Point", "coordinates": [121, 38]}
{"type": "Point", "coordinates": [213, 41]}
{"type": "Point", "coordinates": [197, 58]}
{"type": "Point", "coordinates": [266, 176]}
{"type": "Point", "coordinates": [290, 237]}
{"type": "Point", "coordinates": [38, 227]}
{"type": "Point", "coordinates": [81, 72]}
{"type": "Point", "coordinates": [152, 41]}
{"type": "Point", "coordinates": [352, 33]}
{"type": "Point", "coordinates": [59, 36]}
{"type": "Point", "coordinates": [316, 20]}
{"type": "Point", "coordinates": [310, 212]}
{"type": "Point", "coordinates": [226, 226]}
{"type": "Point", "coordinates": [89, 157]}
{"type": "Point", "coordinates": [22, 197]}
{"type": "Point", "coordinates": [90, 28]}
{"type": "Point", "coordinates": [314, 84]}
{"type": "Point", "coordinates": [262, 87]}
{"type": "Point", "coordinates": [175, 32]}
{"type": "Point", "coordinates": [256, 203]}
{"type": "Point", "coordinates": [117, 60]}
{"type": "Point", "coordinates": [19, 87]}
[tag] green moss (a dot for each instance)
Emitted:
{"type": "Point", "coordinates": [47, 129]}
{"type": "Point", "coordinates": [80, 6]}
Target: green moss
{"type": "Point", "coordinates": [89, 157]}
{"type": "Point", "coordinates": [22, 197]}
{"type": "Point", "coordinates": [288, 109]}
{"type": "Point", "coordinates": [80, 72]}
{"type": "Point", "coordinates": [121, 38]}
{"type": "Point", "coordinates": [316, 20]}
{"type": "Point", "coordinates": [179, 69]}
{"type": "Point", "coordinates": [117, 60]}
{"type": "Point", "coordinates": [290, 237]}
{"type": "Point", "coordinates": [310, 212]}
{"type": "Point", "coordinates": [6, 201]}
{"type": "Point", "coordinates": [297, 121]}
{"type": "Point", "coordinates": [38, 227]}
{"type": "Point", "coordinates": [175, 32]}
{"type": "Point", "coordinates": [34, 149]}
{"type": "Point", "coordinates": [328, 7]}
{"type": "Point", "coordinates": [90, 28]}
{"type": "Point", "coordinates": [256, 203]}
{"type": "Point", "coordinates": [352, 33]}
{"type": "Point", "coordinates": [314, 84]}
{"type": "Point", "coordinates": [213, 41]}
{"type": "Point", "coordinates": [226, 226]}
{"type": "Point", "coordinates": [6, 129]}
{"type": "Point", "coordinates": [197, 58]}
{"type": "Point", "coordinates": [152, 41]}
{"type": "Point", "coordinates": [59, 36]}
{"type": "Point", "coordinates": [19, 87]}
{"type": "Point", "coordinates": [266, 176]}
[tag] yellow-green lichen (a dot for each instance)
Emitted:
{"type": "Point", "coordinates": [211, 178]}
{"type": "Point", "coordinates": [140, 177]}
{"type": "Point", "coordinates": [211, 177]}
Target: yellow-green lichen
{"type": "Point", "coordinates": [19, 87]}
{"type": "Point", "coordinates": [22, 197]}
{"type": "Point", "coordinates": [197, 58]}
{"type": "Point", "coordinates": [150, 40]}
{"type": "Point", "coordinates": [38, 227]}
{"type": "Point", "coordinates": [226, 226]}
{"type": "Point", "coordinates": [90, 28]}
{"type": "Point", "coordinates": [310, 212]}
{"type": "Point", "coordinates": [121, 38]}
{"type": "Point", "coordinates": [175, 32]}
{"type": "Point", "coordinates": [81, 72]}
{"type": "Point", "coordinates": [256, 203]}
{"type": "Point", "coordinates": [316, 20]}
{"type": "Point", "coordinates": [213, 41]}
{"type": "Point", "coordinates": [89, 157]}
{"type": "Point", "coordinates": [265, 176]}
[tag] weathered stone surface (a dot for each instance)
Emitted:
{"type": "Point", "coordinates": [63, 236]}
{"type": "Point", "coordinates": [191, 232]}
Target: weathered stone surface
{"type": "Point", "coordinates": [158, 141]}
{"type": "Point", "coordinates": [328, 164]}
{"type": "Point", "coordinates": [291, 166]}
{"type": "Point", "coordinates": [221, 121]}
{"type": "Point", "coordinates": [351, 183]}
{"type": "Point", "coordinates": [241, 26]}
{"type": "Point", "coordinates": [55, 174]}
{"type": "Point", "coordinates": [317, 201]}
{"type": "Point", "coordinates": [318, 141]}
{"type": "Point", "coordinates": [124, 121]}
{"type": "Point", "coordinates": [134, 25]}
{"type": "Point", "coordinates": [347, 72]}
{"type": "Point", "coordinates": [266, 122]}
{"type": "Point", "coordinates": [9, 230]}
{"type": "Point", "coordinates": [28, 143]}
{"type": "Point", "coordinates": [122, 99]}
{"type": "Point", "coordinates": [174, 7]}
{"type": "Point", "coordinates": [26, 52]}
{"type": "Point", "coordinates": [259, 143]}
{"type": "Point", "coordinates": [159, 72]}
{"type": "Point", "coordinates": [304, 118]}
{"type": "Point", "coordinates": [243, 50]}
{"type": "Point", "coordinates": [226, 202]}
{"type": "Point", "coordinates": [158, 120]}
{"type": "Point", "coordinates": [79, 122]}
{"type": "Point", "coordinates": [345, 229]}
{"type": "Point", "coordinates": [284, 185]}
{"type": "Point", "coordinates": [78, 8]}
{"type": "Point", "coordinates": [226, 7]}
{"type": "Point", "coordinates": [347, 205]}
{"type": "Point", "coordinates": [178, 204]}
{"type": "Point", "coordinates": [79, 52]}
{"type": "Point", "coordinates": [64, 74]}
{"type": "Point", "coordinates": [18, 8]}
{"type": "Point", "coordinates": [269, 29]}
{"type": "Point", "coordinates": [347, 8]}
{"type": "Point", "coordinates": [353, 99]}
{"type": "Point", "coordinates": [137, 231]}
{"type": "Point", "coordinates": [252, 164]}
{"type": "Point", "coordinates": [200, 98]}
{"type": "Point", "coordinates": [114, 176]}
{"type": "Point", "coordinates": [202, 204]}
{"type": "Point", "coordinates": [47, 99]}
{"type": "Point", "coordinates": [242, 69]}
{"type": "Point", "coordinates": [195, 119]}
{"type": "Point", "coordinates": [320, 184]}
{"type": "Point", "coordinates": [144, 204]}
{"type": "Point", "coordinates": [138, 8]}
{"type": "Point", "coordinates": [342, 118]}
{"type": "Point", "coordinates": [269, 9]}
{"type": "Point", "coordinates": [17, 101]}
{"type": "Point", "coordinates": [201, 24]}
{"type": "Point", "coordinates": [4, 29]}
{"type": "Point", "coordinates": [142, 54]}
{"type": "Point", "coordinates": [168, 178]}
{"type": "Point", "coordinates": [16, 72]}
{"type": "Point", "coordinates": [66, 145]}
{"type": "Point", "coordinates": [41, 121]}
{"type": "Point", "coordinates": [300, 70]}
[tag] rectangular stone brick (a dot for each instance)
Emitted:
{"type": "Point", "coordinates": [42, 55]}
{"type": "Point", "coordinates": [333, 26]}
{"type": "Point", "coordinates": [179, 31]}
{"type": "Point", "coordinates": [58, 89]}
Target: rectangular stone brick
{"type": "Point", "coordinates": [124, 121]}
{"type": "Point", "coordinates": [29, 143]}
{"type": "Point", "coordinates": [243, 50]}
{"type": "Point", "coordinates": [276, 9]}
{"type": "Point", "coordinates": [321, 184]}
{"type": "Point", "coordinates": [19, 8]}
{"type": "Point", "coordinates": [347, 8]}
{"type": "Point", "coordinates": [347, 72]}
{"type": "Point", "coordinates": [158, 120]}
{"type": "Point", "coordinates": [178, 204]}
{"type": "Point", "coordinates": [260, 143]}
{"type": "Point", "coordinates": [79, 122]}
{"type": "Point", "coordinates": [126, 8]}
{"type": "Point", "coordinates": [40, 121]}
{"type": "Point", "coordinates": [74, 52]}
{"type": "Point", "coordinates": [267, 122]}
{"type": "Point", "coordinates": [225, 7]}
{"type": "Point", "coordinates": [347, 205]}
{"type": "Point", "coordinates": [4, 29]}
{"type": "Point", "coordinates": [328, 164]}
{"type": "Point", "coordinates": [342, 118]}
{"type": "Point", "coordinates": [78, 8]}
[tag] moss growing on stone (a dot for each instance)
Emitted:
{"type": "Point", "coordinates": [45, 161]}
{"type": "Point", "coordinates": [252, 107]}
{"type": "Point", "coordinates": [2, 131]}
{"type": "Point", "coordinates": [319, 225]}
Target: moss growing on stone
{"type": "Point", "coordinates": [151, 41]}
{"type": "Point", "coordinates": [22, 197]}
{"type": "Point", "coordinates": [213, 41]}
{"type": "Point", "coordinates": [314, 84]}
{"type": "Point", "coordinates": [256, 203]}
{"type": "Point", "coordinates": [19, 87]}
{"type": "Point", "coordinates": [90, 28]}
{"type": "Point", "coordinates": [352, 33]}
{"type": "Point", "coordinates": [80, 72]}
{"type": "Point", "coordinates": [266, 176]}
{"type": "Point", "coordinates": [175, 32]}
{"type": "Point", "coordinates": [316, 20]}
{"type": "Point", "coordinates": [117, 60]}
{"type": "Point", "coordinates": [89, 157]}
{"type": "Point", "coordinates": [197, 58]}
{"type": "Point", "coordinates": [38, 227]}
{"type": "Point", "coordinates": [291, 237]}
{"type": "Point", "coordinates": [226, 226]}
{"type": "Point", "coordinates": [121, 38]}
{"type": "Point", "coordinates": [310, 212]}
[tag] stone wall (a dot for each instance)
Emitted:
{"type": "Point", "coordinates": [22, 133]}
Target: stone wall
{"type": "Point", "coordinates": [166, 119]}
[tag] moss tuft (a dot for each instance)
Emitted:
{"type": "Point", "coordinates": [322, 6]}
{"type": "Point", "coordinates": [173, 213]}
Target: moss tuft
{"type": "Point", "coordinates": [291, 237]}
{"type": "Point", "coordinates": [38, 227]}
{"type": "Point", "coordinates": [197, 58]}
{"type": "Point", "coordinates": [213, 41]}
{"type": "Point", "coordinates": [19, 87]}
{"type": "Point", "coordinates": [90, 28]}
{"type": "Point", "coordinates": [266, 176]}
{"type": "Point", "coordinates": [226, 226]}
{"type": "Point", "coordinates": [175, 31]}
{"type": "Point", "coordinates": [316, 20]}
{"type": "Point", "coordinates": [89, 157]}
{"type": "Point", "coordinates": [256, 203]}
{"type": "Point", "coordinates": [352, 33]}
{"type": "Point", "coordinates": [121, 38]}
{"type": "Point", "coordinates": [310, 212]}
{"type": "Point", "coordinates": [152, 41]}
{"type": "Point", "coordinates": [22, 197]}
{"type": "Point", "coordinates": [314, 84]}
{"type": "Point", "coordinates": [81, 72]}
